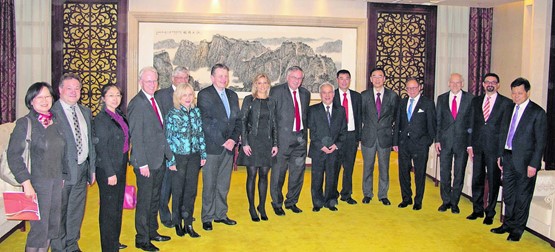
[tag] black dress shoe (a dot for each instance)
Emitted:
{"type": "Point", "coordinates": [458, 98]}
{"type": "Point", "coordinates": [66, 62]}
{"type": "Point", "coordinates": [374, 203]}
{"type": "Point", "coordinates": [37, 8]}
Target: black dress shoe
{"type": "Point", "coordinates": [122, 246]}
{"type": "Point", "coordinates": [333, 208]}
{"type": "Point", "coordinates": [294, 208]}
{"type": "Point", "coordinates": [474, 216]}
{"type": "Point", "coordinates": [179, 230]}
{"type": "Point", "coordinates": [316, 209]}
{"type": "Point", "coordinates": [514, 237]}
{"type": "Point", "coordinates": [350, 201]}
{"type": "Point", "coordinates": [279, 211]}
{"type": "Point", "coordinates": [417, 207]}
{"type": "Point", "coordinates": [254, 215]}
{"type": "Point", "coordinates": [500, 230]}
{"type": "Point", "coordinates": [207, 226]}
{"type": "Point", "coordinates": [385, 202]}
{"type": "Point", "coordinates": [404, 204]}
{"type": "Point", "coordinates": [191, 232]}
{"type": "Point", "coordinates": [262, 212]}
{"type": "Point", "coordinates": [226, 221]}
{"type": "Point", "coordinates": [443, 208]}
{"type": "Point", "coordinates": [488, 220]}
{"type": "Point", "coordinates": [366, 200]}
{"type": "Point", "coordinates": [455, 209]}
{"type": "Point", "coordinates": [146, 246]}
{"type": "Point", "coordinates": [160, 238]}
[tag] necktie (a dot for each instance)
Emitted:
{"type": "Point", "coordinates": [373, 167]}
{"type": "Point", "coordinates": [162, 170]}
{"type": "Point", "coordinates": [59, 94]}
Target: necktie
{"type": "Point", "coordinates": [77, 130]}
{"type": "Point", "coordinates": [226, 104]}
{"type": "Point", "coordinates": [409, 112]}
{"type": "Point", "coordinates": [378, 104]}
{"type": "Point", "coordinates": [156, 110]}
{"type": "Point", "coordinates": [512, 129]}
{"type": "Point", "coordinates": [454, 107]}
{"type": "Point", "coordinates": [346, 106]}
{"type": "Point", "coordinates": [297, 113]}
{"type": "Point", "coordinates": [329, 115]}
{"type": "Point", "coordinates": [487, 109]}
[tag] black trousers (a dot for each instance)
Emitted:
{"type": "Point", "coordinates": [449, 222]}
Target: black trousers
{"type": "Point", "coordinates": [165, 194]}
{"type": "Point", "coordinates": [323, 167]}
{"type": "Point", "coordinates": [412, 153]}
{"type": "Point", "coordinates": [346, 158]}
{"type": "Point", "coordinates": [111, 206]}
{"type": "Point", "coordinates": [148, 202]}
{"type": "Point", "coordinates": [184, 187]}
{"type": "Point", "coordinates": [485, 166]}
{"type": "Point", "coordinates": [452, 195]}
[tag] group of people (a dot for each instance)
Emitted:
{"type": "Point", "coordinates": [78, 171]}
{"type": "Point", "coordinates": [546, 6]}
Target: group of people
{"type": "Point", "coordinates": [168, 135]}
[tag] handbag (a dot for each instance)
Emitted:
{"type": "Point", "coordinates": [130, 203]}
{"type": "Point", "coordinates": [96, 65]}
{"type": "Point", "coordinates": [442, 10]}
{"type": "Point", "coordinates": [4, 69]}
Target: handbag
{"type": "Point", "coordinates": [5, 171]}
{"type": "Point", "coordinates": [129, 197]}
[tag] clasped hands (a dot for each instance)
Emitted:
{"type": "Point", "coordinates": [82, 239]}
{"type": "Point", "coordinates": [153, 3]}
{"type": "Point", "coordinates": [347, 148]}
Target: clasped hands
{"type": "Point", "coordinates": [329, 150]}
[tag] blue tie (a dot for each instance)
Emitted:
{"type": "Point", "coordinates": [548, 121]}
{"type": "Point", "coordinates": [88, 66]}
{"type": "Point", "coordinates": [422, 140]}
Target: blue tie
{"type": "Point", "coordinates": [512, 129]}
{"type": "Point", "coordinates": [409, 112]}
{"type": "Point", "coordinates": [225, 102]}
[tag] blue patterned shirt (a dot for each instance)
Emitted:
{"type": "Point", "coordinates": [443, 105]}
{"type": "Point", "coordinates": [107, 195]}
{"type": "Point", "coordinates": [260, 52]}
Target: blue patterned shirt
{"type": "Point", "coordinates": [184, 132]}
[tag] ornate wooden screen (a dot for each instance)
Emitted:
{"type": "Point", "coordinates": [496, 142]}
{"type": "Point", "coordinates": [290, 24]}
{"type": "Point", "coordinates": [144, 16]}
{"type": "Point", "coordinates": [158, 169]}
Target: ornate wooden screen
{"type": "Point", "coordinates": [401, 40]}
{"type": "Point", "coordinates": [89, 38]}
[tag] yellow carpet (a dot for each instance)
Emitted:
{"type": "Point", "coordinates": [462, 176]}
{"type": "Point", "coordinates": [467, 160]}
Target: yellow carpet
{"type": "Point", "coordinates": [361, 227]}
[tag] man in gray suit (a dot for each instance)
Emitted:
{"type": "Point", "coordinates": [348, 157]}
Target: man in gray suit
{"type": "Point", "coordinates": [379, 112]}
{"type": "Point", "coordinates": [76, 121]}
{"type": "Point", "coordinates": [180, 75]}
{"type": "Point", "coordinates": [148, 150]}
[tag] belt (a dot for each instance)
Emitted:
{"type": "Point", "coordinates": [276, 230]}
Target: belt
{"type": "Point", "coordinates": [506, 151]}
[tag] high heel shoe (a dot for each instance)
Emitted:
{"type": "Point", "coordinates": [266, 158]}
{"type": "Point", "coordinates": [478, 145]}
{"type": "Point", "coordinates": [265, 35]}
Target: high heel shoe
{"type": "Point", "coordinates": [254, 215]}
{"type": "Point", "coordinates": [189, 230]}
{"type": "Point", "coordinates": [179, 230]}
{"type": "Point", "coordinates": [262, 212]}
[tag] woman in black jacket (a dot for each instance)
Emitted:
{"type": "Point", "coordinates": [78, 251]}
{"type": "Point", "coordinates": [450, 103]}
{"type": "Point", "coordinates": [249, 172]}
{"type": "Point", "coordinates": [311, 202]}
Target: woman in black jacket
{"type": "Point", "coordinates": [112, 131]}
{"type": "Point", "coordinates": [259, 141]}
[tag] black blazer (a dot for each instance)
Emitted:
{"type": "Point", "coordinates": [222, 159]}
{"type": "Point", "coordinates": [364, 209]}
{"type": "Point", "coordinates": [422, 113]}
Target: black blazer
{"type": "Point", "coordinates": [322, 134]}
{"type": "Point", "coordinates": [453, 133]}
{"type": "Point", "coordinates": [529, 138]}
{"type": "Point", "coordinates": [285, 111]}
{"type": "Point", "coordinates": [485, 135]}
{"type": "Point", "coordinates": [164, 97]}
{"type": "Point", "coordinates": [374, 127]}
{"type": "Point", "coordinates": [109, 148]}
{"type": "Point", "coordinates": [356, 102]}
{"type": "Point", "coordinates": [217, 127]}
{"type": "Point", "coordinates": [422, 126]}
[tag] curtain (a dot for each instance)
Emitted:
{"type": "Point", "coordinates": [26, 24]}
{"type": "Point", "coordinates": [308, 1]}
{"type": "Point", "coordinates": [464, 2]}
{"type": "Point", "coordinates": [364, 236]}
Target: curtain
{"type": "Point", "coordinates": [479, 45]}
{"type": "Point", "coordinates": [7, 61]}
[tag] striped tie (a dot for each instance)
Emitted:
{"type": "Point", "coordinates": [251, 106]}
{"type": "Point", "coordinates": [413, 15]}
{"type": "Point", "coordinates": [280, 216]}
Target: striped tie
{"type": "Point", "coordinates": [487, 109]}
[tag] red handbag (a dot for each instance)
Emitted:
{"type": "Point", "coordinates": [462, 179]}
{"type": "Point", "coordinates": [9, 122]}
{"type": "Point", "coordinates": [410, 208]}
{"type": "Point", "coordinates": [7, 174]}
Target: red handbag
{"type": "Point", "coordinates": [130, 197]}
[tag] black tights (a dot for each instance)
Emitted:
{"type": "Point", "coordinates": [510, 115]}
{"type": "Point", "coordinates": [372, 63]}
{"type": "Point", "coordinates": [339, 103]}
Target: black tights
{"type": "Point", "coordinates": [262, 184]}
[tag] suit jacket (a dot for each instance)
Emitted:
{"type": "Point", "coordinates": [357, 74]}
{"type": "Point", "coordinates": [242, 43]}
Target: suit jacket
{"type": "Point", "coordinates": [148, 141]}
{"type": "Point", "coordinates": [422, 126]}
{"type": "Point", "coordinates": [357, 109]}
{"type": "Point", "coordinates": [165, 99]}
{"type": "Point", "coordinates": [485, 135]}
{"type": "Point", "coordinates": [217, 127]}
{"type": "Point", "coordinates": [324, 134]}
{"type": "Point", "coordinates": [71, 150]}
{"type": "Point", "coordinates": [381, 128]}
{"type": "Point", "coordinates": [453, 133]}
{"type": "Point", "coordinates": [285, 111]}
{"type": "Point", "coordinates": [529, 138]}
{"type": "Point", "coordinates": [109, 148]}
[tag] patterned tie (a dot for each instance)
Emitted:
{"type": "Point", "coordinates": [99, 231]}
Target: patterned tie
{"type": "Point", "coordinates": [156, 111]}
{"type": "Point", "coordinates": [346, 106]}
{"type": "Point", "coordinates": [512, 129]}
{"type": "Point", "coordinates": [487, 109]}
{"type": "Point", "coordinates": [297, 113]}
{"type": "Point", "coordinates": [329, 115]}
{"type": "Point", "coordinates": [378, 104]}
{"type": "Point", "coordinates": [409, 112]}
{"type": "Point", "coordinates": [77, 130]}
{"type": "Point", "coordinates": [454, 107]}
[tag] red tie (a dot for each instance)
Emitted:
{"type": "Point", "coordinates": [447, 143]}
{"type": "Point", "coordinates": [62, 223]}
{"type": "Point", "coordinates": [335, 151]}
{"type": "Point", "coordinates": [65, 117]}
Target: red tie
{"type": "Point", "coordinates": [486, 109]}
{"type": "Point", "coordinates": [297, 113]}
{"type": "Point", "coordinates": [346, 106]}
{"type": "Point", "coordinates": [156, 111]}
{"type": "Point", "coordinates": [454, 108]}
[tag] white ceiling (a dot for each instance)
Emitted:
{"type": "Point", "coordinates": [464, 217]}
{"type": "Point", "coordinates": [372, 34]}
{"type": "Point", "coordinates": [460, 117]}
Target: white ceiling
{"type": "Point", "coordinates": [471, 3]}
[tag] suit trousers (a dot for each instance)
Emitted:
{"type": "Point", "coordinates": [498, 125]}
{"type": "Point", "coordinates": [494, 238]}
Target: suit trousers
{"type": "Point", "coordinates": [292, 157]}
{"type": "Point", "coordinates": [346, 158]}
{"type": "Point", "coordinates": [49, 196]}
{"type": "Point", "coordinates": [216, 177]}
{"type": "Point", "coordinates": [73, 210]}
{"type": "Point", "coordinates": [111, 206]}
{"type": "Point", "coordinates": [165, 194]}
{"type": "Point", "coordinates": [410, 154]}
{"type": "Point", "coordinates": [451, 195]}
{"type": "Point", "coordinates": [518, 190]}
{"type": "Point", "coordinates": [324, 166]}
{"type": "Point", "coordinates": [184, 188]}
{"type": "Point", "coordinates": [148, 203]}
{"type": "Point", "coordinates": [369, 156]}
{"type": "Point", "coordinates": [485, 165]}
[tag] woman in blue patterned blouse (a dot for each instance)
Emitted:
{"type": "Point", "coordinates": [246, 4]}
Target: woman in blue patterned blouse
{"type": "Point", "coordinates": [186, 138]}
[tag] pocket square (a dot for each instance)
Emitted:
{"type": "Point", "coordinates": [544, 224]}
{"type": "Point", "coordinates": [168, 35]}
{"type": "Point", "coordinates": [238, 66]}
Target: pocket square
{"type": "Point", "coordinates": [420, 111]}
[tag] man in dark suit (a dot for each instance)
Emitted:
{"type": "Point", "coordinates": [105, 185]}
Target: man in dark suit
{"type": "Point", "coordinates": [453, 131]}
{"type": "Point", "coordinates": [180, 75]}
{"type": "Point", "coordinates": [521, 145]}
{"type": "Point", "coordinates": [351, 102]}
{"type": "Point", "coordinates": [379, 111]}
{"type": "Point", "coordinates": [292, 102]}
{"type": "Point", "coordinates": [487, 113]}
{"type": "Point", "coordinates": [328, 128]}
{"type": "Point", "coordinates": [415, 130]}
{"type": "Point", "coordinates": [76, 121]}
{"type": "Point", "coordinates": [219, 109]}
{"type": "Point", "coordinates": [149, 150]}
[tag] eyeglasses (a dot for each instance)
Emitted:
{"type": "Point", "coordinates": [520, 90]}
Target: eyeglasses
{"type": "Point", "coordinates": [149, 81]}
{"type": "Point", "coordinates": [491, 82]}
{"type": "Point", "coordinates": [412, 88]}
{"type": "Point", "coordinates": [42, 98]}
{"type": "Point", "coordinates": [113, 96]}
